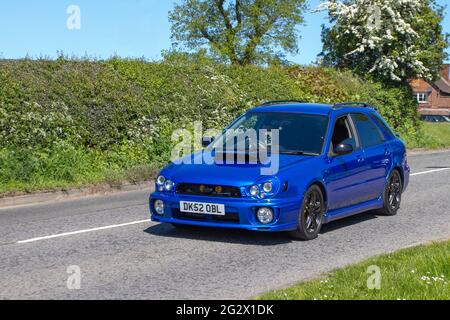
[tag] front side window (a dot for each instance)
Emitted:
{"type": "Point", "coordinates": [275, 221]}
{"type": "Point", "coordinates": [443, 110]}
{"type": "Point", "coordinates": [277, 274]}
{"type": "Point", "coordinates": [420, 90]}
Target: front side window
{"type": "Point", "coordinates": [369, 133]}
{"type": "Point", "coordinates": [342, 133]}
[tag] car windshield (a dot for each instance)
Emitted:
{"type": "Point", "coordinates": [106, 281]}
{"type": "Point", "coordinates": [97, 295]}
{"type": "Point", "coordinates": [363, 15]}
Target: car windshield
{"type": "Point", "coordinates": [299, 134]}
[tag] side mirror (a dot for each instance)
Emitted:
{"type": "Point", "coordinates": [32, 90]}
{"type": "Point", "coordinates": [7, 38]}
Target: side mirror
{"type": "Point", "coordinates": [343, 149]}
{"type": "Point", "coordinates": [206, 141]}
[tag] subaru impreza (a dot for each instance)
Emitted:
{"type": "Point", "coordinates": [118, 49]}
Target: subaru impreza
{"type": "Point", "coordinates": [287, 166]}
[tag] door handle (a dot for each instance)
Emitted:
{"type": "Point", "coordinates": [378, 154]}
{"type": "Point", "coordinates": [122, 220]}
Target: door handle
{"type": "Point", "coordinates": [360, 159]}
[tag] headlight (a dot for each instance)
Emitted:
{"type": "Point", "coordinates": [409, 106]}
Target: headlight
{"type": "Point", "coordinates": [159, 207]}
{"type": "Point", "coordinates": [168, 185]}
{"type": "Point", "coordinates": [254, 190]}
{"type": "Point", "coordinates": [268, 187]}
{"type": "Point", "coordinates": [160, 180]}
{"type": "Point", "coordinates": [265, 215]}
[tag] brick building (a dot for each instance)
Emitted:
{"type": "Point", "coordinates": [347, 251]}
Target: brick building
{"type": "Point", "coordinates": [433, 98]}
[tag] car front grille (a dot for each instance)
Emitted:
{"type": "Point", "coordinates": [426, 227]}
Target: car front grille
{"type": "Point", "coordinates": [208, 190]}
{"type": "Point", "coordinates": [228, 217]}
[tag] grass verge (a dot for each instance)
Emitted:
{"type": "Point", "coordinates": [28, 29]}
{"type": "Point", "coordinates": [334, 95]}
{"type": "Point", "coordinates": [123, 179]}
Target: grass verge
{"type": "Point", "coordinates": [420, 273]}
{"type": "Point", "coordinates": [92, 179]}
{"type": "Point", "coordinates": [431, 136]}
{"type": "Point", "coordinates": [440, 132]}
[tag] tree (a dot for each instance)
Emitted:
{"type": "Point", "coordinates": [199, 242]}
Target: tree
{"type": "Point", "coordinates": [392, 40]}
{"type": "Point", "coordinates": [240, 31]}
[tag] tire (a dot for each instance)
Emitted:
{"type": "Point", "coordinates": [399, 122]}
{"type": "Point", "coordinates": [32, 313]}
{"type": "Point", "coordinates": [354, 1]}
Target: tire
{"type": "Point", "coordinates": [392, 195]}
{"type": "Point", "coordinates": [311, 215]}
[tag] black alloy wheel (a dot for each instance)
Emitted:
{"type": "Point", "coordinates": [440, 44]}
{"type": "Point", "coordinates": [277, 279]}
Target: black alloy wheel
{"type": "Point", "coordinates": [392, 197]}
{"type": "Point", "coordinates": [311, 215]}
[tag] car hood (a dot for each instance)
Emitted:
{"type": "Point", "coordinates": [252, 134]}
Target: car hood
{"type": "Point", "coordinates": [225, 174]}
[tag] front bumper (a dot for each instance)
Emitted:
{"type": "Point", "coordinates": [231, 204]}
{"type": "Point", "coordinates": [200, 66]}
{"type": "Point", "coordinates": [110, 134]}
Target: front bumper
{"type": "Point", "coordinates": [242, 211]}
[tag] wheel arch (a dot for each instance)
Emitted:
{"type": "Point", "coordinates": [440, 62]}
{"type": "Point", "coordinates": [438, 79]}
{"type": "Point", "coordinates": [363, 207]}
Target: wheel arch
{"type": "Point", "coordinates": [322, 188]}
{"type": "Point", "coordinates": [400, 171]}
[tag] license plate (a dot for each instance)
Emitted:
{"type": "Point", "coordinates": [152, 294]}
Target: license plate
{"type": "Point", "coordinates": [202, 208]}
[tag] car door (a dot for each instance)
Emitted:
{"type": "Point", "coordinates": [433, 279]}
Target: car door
{"type": "Point", "coordinates": [377, 155]}
{"type": "Point", "coordinates": [345, 175]}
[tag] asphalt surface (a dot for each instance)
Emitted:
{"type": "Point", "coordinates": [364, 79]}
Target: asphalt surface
{"type": "Point", "coordinates": [120, 256]}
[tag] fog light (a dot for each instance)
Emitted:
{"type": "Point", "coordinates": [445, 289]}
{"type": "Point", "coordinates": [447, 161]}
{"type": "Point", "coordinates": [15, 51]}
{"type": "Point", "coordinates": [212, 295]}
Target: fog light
{"type": "Point", "coordinates": [265, 215]}
{"type": "Point", "coordinates": [159, 207]}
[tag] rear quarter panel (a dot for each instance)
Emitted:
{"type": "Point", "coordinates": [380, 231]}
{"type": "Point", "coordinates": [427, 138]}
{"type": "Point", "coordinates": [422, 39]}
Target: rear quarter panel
{"type": "Point", "coordinates": [400, 160]}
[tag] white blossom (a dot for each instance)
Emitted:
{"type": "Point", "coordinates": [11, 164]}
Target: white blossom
{"type": "Point", "coordinates": [356, 16]}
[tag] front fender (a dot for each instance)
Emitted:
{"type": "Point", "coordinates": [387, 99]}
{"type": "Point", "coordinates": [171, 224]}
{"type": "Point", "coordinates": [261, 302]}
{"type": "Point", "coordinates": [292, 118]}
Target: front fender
{"type": "Point", "coordinates": [301, 178]}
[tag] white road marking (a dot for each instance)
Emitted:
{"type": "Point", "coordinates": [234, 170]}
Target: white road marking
{"type": "Point", "coordinates": [430, 171]}
{"type": "Point", "coordinates": [146, 221]}
{"type": "Point", "coordinates": [83, 231]}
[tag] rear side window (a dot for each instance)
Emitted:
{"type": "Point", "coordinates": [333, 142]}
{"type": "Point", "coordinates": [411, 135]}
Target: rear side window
{"type": "Point", "coordinates": [368, 131]}
{"type": "Point", "coordinates": [388, 131]}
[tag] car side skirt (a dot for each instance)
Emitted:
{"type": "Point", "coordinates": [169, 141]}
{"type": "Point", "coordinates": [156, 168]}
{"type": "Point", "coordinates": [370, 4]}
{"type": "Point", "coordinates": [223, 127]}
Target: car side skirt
{"type": "Point", "coordinates": [353, 210]}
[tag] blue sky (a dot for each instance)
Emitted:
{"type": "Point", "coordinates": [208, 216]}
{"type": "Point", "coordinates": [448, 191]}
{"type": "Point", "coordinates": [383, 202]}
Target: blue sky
{"type": "Point", "coordinates": [128, 28]}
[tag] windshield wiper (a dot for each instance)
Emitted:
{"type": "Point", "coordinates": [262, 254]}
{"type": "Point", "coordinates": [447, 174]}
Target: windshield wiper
{"type": "Point", "coordinates": [300, 153]}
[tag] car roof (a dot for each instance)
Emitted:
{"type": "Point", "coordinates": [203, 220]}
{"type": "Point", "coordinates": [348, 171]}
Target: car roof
{"type": "Point", "coordinates": [310, 108]}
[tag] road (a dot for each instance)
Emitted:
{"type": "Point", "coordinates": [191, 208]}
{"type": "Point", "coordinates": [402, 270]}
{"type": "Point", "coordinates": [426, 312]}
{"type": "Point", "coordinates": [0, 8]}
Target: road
{"type": "Point", "coordinates": [121, 255]}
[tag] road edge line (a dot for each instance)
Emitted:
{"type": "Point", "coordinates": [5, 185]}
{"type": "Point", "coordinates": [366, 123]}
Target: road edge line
{"type": "Point", "coordinates": [65, 234]}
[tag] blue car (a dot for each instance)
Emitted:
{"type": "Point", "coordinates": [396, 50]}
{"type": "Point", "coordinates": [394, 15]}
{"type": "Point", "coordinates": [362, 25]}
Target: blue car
{"type": "Point", "coordinates": [329, 162]}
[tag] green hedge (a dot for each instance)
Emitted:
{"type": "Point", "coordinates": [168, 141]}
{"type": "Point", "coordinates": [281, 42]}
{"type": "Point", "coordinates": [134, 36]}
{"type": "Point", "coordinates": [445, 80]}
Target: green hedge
{"type": "Point", "coordinates": [65, 123]}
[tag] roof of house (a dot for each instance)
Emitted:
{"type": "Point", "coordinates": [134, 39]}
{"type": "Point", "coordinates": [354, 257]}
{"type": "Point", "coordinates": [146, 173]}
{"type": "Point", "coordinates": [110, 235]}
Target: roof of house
{"type": "Point", "coordinates": [443, 85]}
